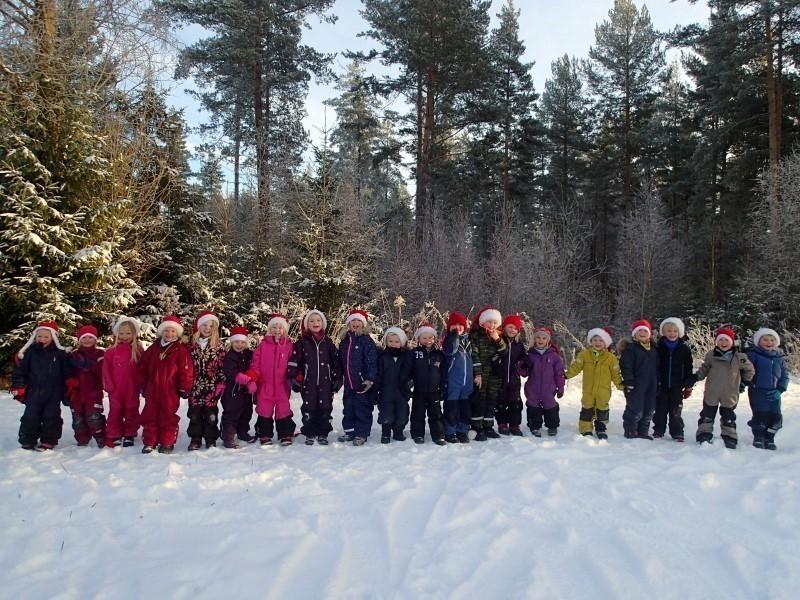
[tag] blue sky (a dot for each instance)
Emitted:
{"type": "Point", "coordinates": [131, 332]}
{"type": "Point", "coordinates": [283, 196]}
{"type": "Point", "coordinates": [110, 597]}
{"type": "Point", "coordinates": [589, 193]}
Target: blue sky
{"type": "Point", "coordinates": [549, 28]}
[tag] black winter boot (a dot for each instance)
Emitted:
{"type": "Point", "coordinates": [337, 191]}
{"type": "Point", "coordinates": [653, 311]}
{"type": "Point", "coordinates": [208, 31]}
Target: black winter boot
{"type": "Point", "coordinates": [386, 434]}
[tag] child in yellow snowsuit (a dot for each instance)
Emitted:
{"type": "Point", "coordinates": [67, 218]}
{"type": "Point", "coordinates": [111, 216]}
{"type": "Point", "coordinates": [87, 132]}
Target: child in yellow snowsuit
{"type": "Point", "coordinates": [600, 369]}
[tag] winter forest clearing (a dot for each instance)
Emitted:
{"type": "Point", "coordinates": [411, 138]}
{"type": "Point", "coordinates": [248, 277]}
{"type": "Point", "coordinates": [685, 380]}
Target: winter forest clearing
{"type": "Point", "coordinates": [512, 518]}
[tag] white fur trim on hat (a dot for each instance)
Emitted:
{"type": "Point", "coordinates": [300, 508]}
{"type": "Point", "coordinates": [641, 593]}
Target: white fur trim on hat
{"type": "Point", "coordinates": [601, 333]}
{"type": "Point", "coordinates": [355, 317]}
{"type": "Point", "coordinates": [422, 330]}
{"type": "Point", "coordinates": [32, 339]}
{"type": "Point", "coordinates": [314, 311]}
{"type": "Point", "coordinates": [490, 314]}
{"type": "Point", "coordinates": [279, 321]}
{"type": "Point", "coordinates": [398, 332]}
{"type": "Point", "coordinates": [673, 321]}
{"type": "Point", "coordinates": [238, 338]}
{"type": "Point", "coordinates": [636, 330]}
{"type": "Point", "coordinates": [766, 331]}
{"type": "Point", "coordinates": [206, 319]}
{"type": "Point", "coordinates": [723, 335]}
{"type": "Point", "coordinates": [164, 324]}
{"type": "Point", "coordinates": [135, 323]}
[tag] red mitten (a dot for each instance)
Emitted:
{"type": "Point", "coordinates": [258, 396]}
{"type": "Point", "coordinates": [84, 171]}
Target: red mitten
{"type": "Point", "coordinates": [253, 375]}
{"type": "Point", "coordinates": [19, 394]}
{"type": "Point", "coordinates": [73, 384]}
{"type": "Point", "coordinates": [242, 379]}
{"type": "Point", "coordinates": [252, 387]}
{"type": "Point", "coordinates": [219, 389]}
{"type": "Point", "coordinates": [686, 393]}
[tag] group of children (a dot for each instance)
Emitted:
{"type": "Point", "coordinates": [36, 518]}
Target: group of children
{"type": "Point", "coordinates": [463, 386]}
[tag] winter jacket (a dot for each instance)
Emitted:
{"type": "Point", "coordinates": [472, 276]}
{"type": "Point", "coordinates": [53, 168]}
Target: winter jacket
{"type": "Point", "coordinates": [233, 364]}
{"type": "Point", "coordinates": [639, 366]}
{"type": "Point", "coordinates": [271, 362]}
{"type": "Point", "coordinates": [725, 371]}
{"type": "Point", "coordinates": [207, 365]}
{"type": "Point", "coordinates": [43, 371]}
{"type": "Point", "coordinates": [166, 371]}
{"type": "Point", "coordinates": [484, 351]}
{"type": "Point", "coordinates": [428, 371]}
{"type": "Point", "coordinates": [120, 373]}
{"type": "Point", "coordinates": [545, 373]}
{"type": "Point", "coordinates": [88, 365]}
{"type": "Point", "coordinates": [317, 362]}
{"type": "Point", "coordinates": [395, 367]}
{"type": "Point", "coordinates": [358, 360]}
{"type": "Point", "coordinates": [600, 370]}
{"type": "Point", "coordinates": [770, 370]}
{"type": "Point", "coordinates": [504, 362]}
{"type": "Point", "coordinates": [675, 367]}
{"type": "Point", "coordinates": [458, 354]}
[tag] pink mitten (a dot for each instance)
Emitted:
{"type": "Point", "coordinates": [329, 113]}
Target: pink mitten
{"type": "Point", "coordinates": [252, 387]}
{"type": "Point", "coordinates": [219, 389]}
{"type": "Point", "coordinates": [242, 379]}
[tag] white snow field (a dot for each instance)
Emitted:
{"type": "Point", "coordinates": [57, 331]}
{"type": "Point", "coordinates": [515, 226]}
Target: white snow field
{"type": "Point", "coordinates": [567, 517]}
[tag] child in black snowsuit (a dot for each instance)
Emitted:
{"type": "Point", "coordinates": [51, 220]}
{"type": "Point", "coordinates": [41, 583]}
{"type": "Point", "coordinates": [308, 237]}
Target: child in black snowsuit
{"type": "Point", "coordinates": [509, 401]}
{"type": "Point", "coordinates": [675, 379]}
{"type": "Point", "coordinates": [395, 366]}
{"type": "Point", "coordinates": [428, 376]}
{"type": "Point", "coordinates": [639, 365]}
{"type": "Point", "coordinates": [38, 382]}
{"type": "Point", "coordinates": [240, 386]}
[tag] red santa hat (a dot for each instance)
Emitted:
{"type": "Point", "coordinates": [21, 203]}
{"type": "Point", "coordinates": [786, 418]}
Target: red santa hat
{"type": "Point", "coordinates": [356, 314]}
{"type": "Point", "coordinates": [514, 320]}
{"type": "Point", "coordinates": [641, 325]}
{"type": "Point", "coordinates": [766, 331]}
{"type": "Point", "coordinates": [205, 317]}
{"type": "Point", "coordinates": [50, 326]}
{"type": "Point", "coordinates": [239, 334]}
{"type": "Point", "coordinates": [673, 321]}
{"type": "Point", "coordinates": [456, 318]}
{"type": "Point", "coordinates": [725, 332]}
{"type": "Point", "coordinates": [423, 329]}
{"type": "Point", "coordinates": [314, 311]}
{"type": "Point", "coordinates": [277, 319]}
{"type": "Point", "coordinates": [137, 326]}
{"type": "Point", "coordinates": [399, 333]}
{"type": "Point", "coordinates": [170, 321]}
{"type": "Point", "coordinates": [486, 315]}
{"type": "Point", "coordinates": [543, 330]}
{"type": "Point", "coordinates": [601, 332]}
{"type": "Point", "coordinates": [86, 330]}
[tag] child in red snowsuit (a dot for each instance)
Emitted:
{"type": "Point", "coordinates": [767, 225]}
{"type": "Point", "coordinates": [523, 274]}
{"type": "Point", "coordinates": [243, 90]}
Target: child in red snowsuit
{"type": "Point", "coordinates": [166, 369]}
{"type": "Point", "coordinates": [121, 381]}
{"type": "Point", "coordinates": [86, 389]}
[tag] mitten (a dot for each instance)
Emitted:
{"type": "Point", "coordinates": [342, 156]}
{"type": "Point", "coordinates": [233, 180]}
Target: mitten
{"type": "Point", "coordinates": [183, 394]}
{"type": "Point", "coordinates": [560, 394]}
{"type": "Point", "coordinates": [19, 394]}
{"type": "Point", "coordinates": [687, 392]}
{"type": "Point", "coordinates": [253, 375]}
{"type": "Point", "coordinates": [72, 383]}
{"type": "Point", "coordinates": [743, 386]}
{"type": "Point", "coordinates": [365, 386]}
{"type": "Point", "coordinates": [219, 389]}
{"type": "Point", "coordinates": [242, 379]}
{"type": "Point", "coordinates": [296, 387]}
{"type": "Point", "coordinates": [252, 387]}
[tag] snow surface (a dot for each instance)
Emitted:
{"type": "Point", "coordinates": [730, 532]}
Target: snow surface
{"type": "Point", "coordinates": [513, 518]}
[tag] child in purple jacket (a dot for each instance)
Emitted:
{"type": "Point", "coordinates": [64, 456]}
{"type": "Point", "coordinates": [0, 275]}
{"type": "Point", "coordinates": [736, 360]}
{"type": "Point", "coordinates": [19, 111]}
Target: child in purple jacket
{"type": "Point", "coordinates": [544, 369]}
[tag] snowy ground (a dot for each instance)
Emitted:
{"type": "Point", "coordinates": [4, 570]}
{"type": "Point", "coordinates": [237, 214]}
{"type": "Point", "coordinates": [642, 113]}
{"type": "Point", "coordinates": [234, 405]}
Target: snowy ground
{"type": "Point", "coordinates": [513, 518]}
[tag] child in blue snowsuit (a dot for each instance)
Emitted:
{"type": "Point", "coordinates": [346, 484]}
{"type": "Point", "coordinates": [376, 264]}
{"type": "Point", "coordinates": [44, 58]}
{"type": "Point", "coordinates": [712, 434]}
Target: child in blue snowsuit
{"type": "Point", "coordinates": [770, 381]}
{"type": "Point", "coordinates": [458, 353]}
{"type": "Point", "coordinates": [358, 358]}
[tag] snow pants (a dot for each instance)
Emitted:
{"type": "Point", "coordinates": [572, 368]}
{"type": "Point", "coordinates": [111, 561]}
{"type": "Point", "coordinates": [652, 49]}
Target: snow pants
{"type": "Point", "coordinates": [88, 421]}
{"type": "Point", "coordinates": [203, 423]}
{"type": "Point", "coordinates": [316, 417]}
{"type": "Point", "coordinates": [640, 404]}
{"type": "Point", "coordinates": [160, 420]}
{"type": "Point", "coordinates": [546, 412]}
{"type": "Point", "coordinates": [705, 424]}
{"type": "Point", "coordinates": [41, 421]}
{"type": "Point", "coordinates": [123, 416]}
{"type": "Point", "coordinates": [284, 427]}
{"type": "Point", "coordinates": [594, 414]}
{"type": "Point", "coordinates": [483, 404]}
{"type": "Point", "coordinates": [237, 410]}
{"type": "Point", "coordinates": [357, 415]}
{"type": "Point", "coordinates": [393, 411]}
{"type": "Point", "coordinates": [767, 417]}
{"type": "Point", "coordinates": [669, 406]}
{"type": "Point", "coordinates": [509, 405]}
{"type": "Point", "coordinates": [422, 403]}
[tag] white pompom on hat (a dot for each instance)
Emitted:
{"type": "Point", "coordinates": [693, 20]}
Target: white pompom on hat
{"type": "Point", "coordinates": [673, 321]}
{"type": "Point", "coordinates": [398, 332]}
{"type": "Point", "coordinates": [766, 331]}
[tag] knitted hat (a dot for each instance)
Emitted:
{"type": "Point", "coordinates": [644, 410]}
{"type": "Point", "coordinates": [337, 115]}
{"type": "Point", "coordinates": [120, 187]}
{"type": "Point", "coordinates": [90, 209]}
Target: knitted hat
{"type": "Point", "coordinates": [170, 321]}
{"type": "Point", "coordinates": [514, 320]}
{"type": "Point", "coordinates": [135, 323]}
{"type": "Point", "coordinates": [488, 314]}
{"type": "Point", "coordinates": [603, 333]}
{"type": "Point", "coordinates": [204, 317]}
{"type": "Point", "coordinates": [276, 319]}
{"type": "Point", "coordinates": [725, 332]}
{"type": "Point", "coordinates": [673, 321]}
{"type": "Point", "coordinates": [50, 326]}
{"type": "Point", "coordinates": [543, 330]}
{"type": "Point", "coordinates": [239, 334]}
{"type": "Point", "coordinates": [356, 314]}
{"type": "Point", "coordinates": [314, 311]}
{"type": "Point", "coordinates": [423, 329]}
{"type": "Point", "coordinates": [456, 318]}
{"type": "Point", "coordinates": [640, 325]}
{"type": "Point", "coordinates": [86, 330]}
{"type": "Point", "coordinates": [398, 332]}
{"type": "Point", "coordinates": [766, 331]}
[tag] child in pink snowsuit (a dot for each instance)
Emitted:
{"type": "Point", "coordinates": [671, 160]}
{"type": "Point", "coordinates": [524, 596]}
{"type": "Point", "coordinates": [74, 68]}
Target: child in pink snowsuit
{"type": "Point", "coordinates": [121, 381]}
{"type": "Point", "coordinates": [270, 362]}
{"type": "Point", "coordinates": [86, 389]}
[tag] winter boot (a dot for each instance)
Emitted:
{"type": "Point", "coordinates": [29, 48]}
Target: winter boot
{"type": "Point", "coordinates": [193, 445]}
{"type": "Point", "coordinates": [165, 449]}
{"type": "Point", "coordinates": [287, 440]}
{"type": "Point", "coordinates": [386, 434]}
{"type": "Point", "coordinates": [480, 436]}
{"type": "Point", "coordinates": [211, 444]}
{"type": "Point", "coordinates": [705, 437]}
{"type": "Point", "coordinates": [488, 429]}
{"type": "Point", "coordinates": [147, 449]}
{"type": "Point", "coordinates": [463, 438]}
{"type": "Point", "coordinates": [587, 434]}
{"type": "Point", "coordinates": [265, 441]}
{"type": "Point", "coordinates": [247, 438]}
{"type": "Point", "coordinates": [657, 435]}
{"type": "Point", "coordinates": [419, 440]}
{"type": "Point", "coordinates": [28, 446]}
{"type": "Point", "coordinates": [346, 438]}
{"type": "Point", "coordinates": [359, 441]}
{"type": "Point", "coordinates": [309, 440]}
{"type": "Point", "coordinates": [730, 442]}
{"type": "Point", "coordinates": [399, 436]}
{"type": "Point", "coordinates": [451, 439]}
{"type": "Point", "coordinates": [759, 441]}
{"type": "Point", "coordinates": [322, 440]}
{"type": "Point", "coordinates": [602, 435]}
{"type": "Point", "coordinates": [678, 438]}
{"type": "Point", "coordinates": [127, 441]}
{"type": "Point", "coordinates": [631, 435]}
{"type": "Point", "coordinates": [231, 445]}
{"type": "Point", "coordinates": [82, 444]}
{"type": "Point", "coordinates": [441, 442]}
{"type": "Point", "coordinates": [516, 431]}
{"type": "Point", "coordinates": [552, 431]}
{"type": "Point", "coordinates": [536, 433]}
{"type": "Point", "coordinates": [503, 429]}
{"type": "Point", "coordinates": [645, 436]}
{"type": "Point", "coordinates": [769, 441]}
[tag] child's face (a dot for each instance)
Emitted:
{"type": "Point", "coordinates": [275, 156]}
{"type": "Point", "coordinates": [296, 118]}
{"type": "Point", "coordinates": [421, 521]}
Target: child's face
{"type": "Point", "coordinates": [125, 334]}
{"type": "Point", "coordinates": [315, 323]}
{"type": "Point", "coordinates": [768, 342]}
{"type": "Point", "coordinates": [724, 344]}
{"type": "Point", "coordinates": [206, 328]}
{"type": "Point", "coordinates": [511, 331]}
{"type": "Point", "coordinates": [88, 341]}
{"type": "Point", "coordinates": [239, 345]}
{"type": "Point", "coordinates": [170, 333]}
{"type": "Point", "coordinates": [541, 340]}
{"type": "Point", "coordinates": [597, 343]}
{"type": "Point", "coordinates": [44, 337]}
{"type": "Point", "coordinates": [426, 339]}
{"type": "Point", "coordinates": [393, 341]}
{"type": "Point", "coordinates": [276, 330]}
{"type": "Point", "coordinates": [357, 326]}
{"type": "Point", "coordinates": [671, 332]}
{"type": "Point", "coordinates": [642, 335]}
{"type": "Point", "coordinates": [458, 328]}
